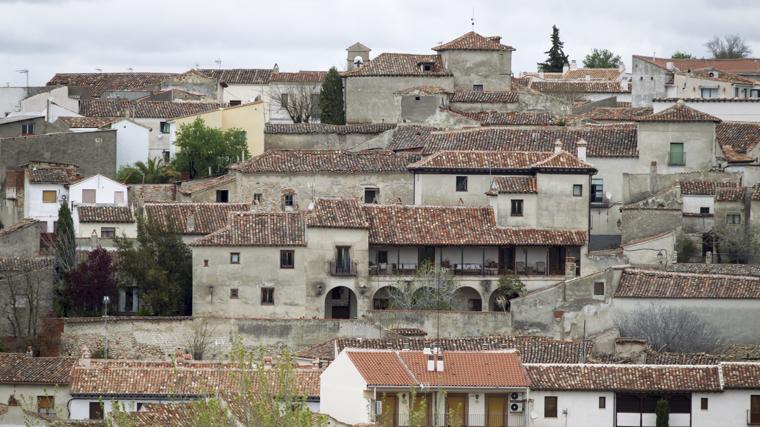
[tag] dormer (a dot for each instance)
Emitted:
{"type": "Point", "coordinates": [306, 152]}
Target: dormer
{"type": "Point", "coordinates": [427, 66]}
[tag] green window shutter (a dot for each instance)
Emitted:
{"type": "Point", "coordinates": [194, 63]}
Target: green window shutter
{"type": "Point", "coordinates": [676, 154]}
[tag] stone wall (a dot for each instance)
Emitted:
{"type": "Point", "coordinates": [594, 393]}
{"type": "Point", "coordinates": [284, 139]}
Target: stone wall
{"type": "Point", "coordinates": [139, 194]}
{"type": "Point", "coordinates": [638, 186]}
{"type": "Point", "coordinates": [316, 141]}
{"type": "Point", "coordinates": [41, 126]}
{"type": "Point", "coordinates": [648, 82]}
{"type": "Point", "coordinates": [22, 242]}
{"type": "Point", "coordinates": [639, 223]}
{"type": "Point", "coordinates": [374, 100]}
{"type": "Point", "coordinates": [450, 324]}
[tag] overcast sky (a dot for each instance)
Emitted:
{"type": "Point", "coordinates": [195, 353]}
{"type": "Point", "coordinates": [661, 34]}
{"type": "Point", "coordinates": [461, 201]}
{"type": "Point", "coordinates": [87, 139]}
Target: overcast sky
{"type": "Point", "coordinates": [49, 36]}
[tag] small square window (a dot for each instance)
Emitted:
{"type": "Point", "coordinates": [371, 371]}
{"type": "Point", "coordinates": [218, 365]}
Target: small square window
{"type": "Point", "coordinates": [477, 88]}
{"type": "Point", "coordinates": [233, 293]}
{"type": "Point", "coordinates": [602, 402]}
{"type": "Point", "coordinates": [598, 288]}
{"type": "Point", "coordinates": [517, 207]}
{"type": "Point", "coordinates": [287, 258]}
{"type": "Point", "coordinates": [165, 128]}
{"type": "Point", "coordinates": [577, 190]}
{"type": "Point", "coordinates": [107, 232]}
{"type": "Point", "coordinates": [733, 219]}
{"type": "Point", "coordinates": [89, 196]}
{"type": "Point", "coordinates": [222, 196]}
{"type": "Point", "coordinates": [27, 129]}
{"type": "Point", "coordinates": [371, 195]}
{"type": "Point", "coordinates": [234, 102]}
{"type": "Point", "coordinates": [49, 196]}
{"type": "Point", "coordinates": [205, 263]}
{"type": "Point", "coordinates": [288, 200]}
{"type": "Point", "coordinates": [234, 257]}
{"type": "Point", "coordinates": [417, 98]}
{"type": "Point", "coordinates": [46, 405]}
{"type": "Point", "coordinates": [703, 403]}
{"type": "Point", "coordinates": [704, 210]}
{"type": "Point", "coordinates": [267, 296]}
{"type": "Point", "coordinates": [256, 198]}
{"type": "Point", "coordinates": [676, 155]}
{"type": "Point", "coordinates": [461, 183]}
{"type": "Point", "coordinates": [284, 100]}
{"type": "Point", "coordinates": [96, 410]}
{"type": "Point", "coordinates": [550, 406]}
{"type": "Point", "coordinates": [167, 156]}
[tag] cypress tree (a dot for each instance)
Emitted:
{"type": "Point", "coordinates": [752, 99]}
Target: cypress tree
{"type": "Point", "coordinates": [331, 99]}
{"type": "Point", "coordinates": [662, 409]}
{"type": "Point", "coordinates": [65, 255]}
{"type": "Point", "coordinates": [557, 58]}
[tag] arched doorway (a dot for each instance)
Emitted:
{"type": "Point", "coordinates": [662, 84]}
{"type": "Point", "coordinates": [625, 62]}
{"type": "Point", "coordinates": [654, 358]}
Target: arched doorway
{"type": "Point", "coordinates": [386, 297]}
{"type": "Point", "coordinates": [467, 299]}
{"type": "Point", "coordinates": [500, 300]}
{"type": "Point", "coordinates": [340, 303]}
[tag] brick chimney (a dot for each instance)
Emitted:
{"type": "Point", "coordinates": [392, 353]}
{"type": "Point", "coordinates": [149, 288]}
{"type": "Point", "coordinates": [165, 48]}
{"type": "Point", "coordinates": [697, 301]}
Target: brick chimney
{"type": "Point", "coordinates": [85, 359]}
{"type": "Point", "coordinates": [582, 144]}
{"type": "Point", "coordinates": [557, 146]}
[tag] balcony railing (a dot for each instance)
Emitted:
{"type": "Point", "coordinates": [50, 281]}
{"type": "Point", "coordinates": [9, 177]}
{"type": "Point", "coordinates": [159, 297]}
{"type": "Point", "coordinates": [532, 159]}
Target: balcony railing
{"type": "Point", "coordinates": [342, 268]}
{"type": "Point", "coordinates": [513, 419]}
{"type": "Point", "coordinates": [469, 269]}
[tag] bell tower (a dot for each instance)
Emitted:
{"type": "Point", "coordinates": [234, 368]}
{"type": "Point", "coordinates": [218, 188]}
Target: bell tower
{"type": "Point", "coordinates": [358, 55]}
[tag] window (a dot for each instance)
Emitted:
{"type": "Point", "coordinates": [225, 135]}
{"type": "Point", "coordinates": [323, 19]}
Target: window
{"type": "Point", "coordinates": [234, 257]}
{"type": "Point", "coordinates": [382, 257]}
{"type": "Point", "coordinates": [27, 129]}
{"type": "Point", "coordinates": [336, 293]}
{"type": "Point", "coordinates": [477, 88]}
{"type": "Point", "coordinates": [46, 405]}
{"type": "Point", "coordinates": [676, 157]}
{"type": "Point", "coordinates": [267, 296]}
{"type": "Point", "coordinates": [205, 263]}
{"type": "Point", "coordinates": [118, 197]}
{"type": "Point", "coordinates": [233, 293]}
{"type": "Point", "coordinates": [598, 288]}
{"type": "Point", "coordinates": [733, 218]}
{"type": "Point", "coordinates": [49, 196]}
{"type": "Point", "coordinates": [703, 402]}
{"type": "Point", "coordinates": [234, 102]}
{"type": "Point", "coordinates": [704, 210]}
{"type": "Point", "coordinates": [602, 402]}
{"type": "Point", "coordinates": [287, 258]}
{"type": "Point", "coordinates": [88, 196]}
{"type": "Point", "coordinates": [417, 98]}
{"type": "Point", "coordinates": [597, 190]}
{"type": "Point", "coordinates": [427, 66]}
{"type": "Point", "coordinates": [550, 406]}
{"type": "Point", "coordinates": [577, 190]}
{"type": "Point", "coordinates": [167, 156]}
{"type": "Point", "coordinates": [708, 92]}
{"type": "Point", "coordinates": [165, 127]}
{"type": "Point", "coordinates": [96, 411]}
{"type": "Point", "coordinates": [287, 200]}
{"type": "Point", "coordinates": [284, 100]}
{"type": "Point", "coordinates": [343, 259]}
{"type": "Point", "coordinates": [517, 207]}
{"type": "Point", "coordinates": [461, 183]}
{"type": "Point", "coordinates": [371, 195]}
{"type": "Point", "coordinates": [754, 409]}
{"type": "Point", "coordinates": [256, 198]}
{"type": "Point", "coordinates": [107, 232]}
{"type": "Point", "coordinates": [222, 196]}
{"type": "Point", "coordinates": [754, 93]}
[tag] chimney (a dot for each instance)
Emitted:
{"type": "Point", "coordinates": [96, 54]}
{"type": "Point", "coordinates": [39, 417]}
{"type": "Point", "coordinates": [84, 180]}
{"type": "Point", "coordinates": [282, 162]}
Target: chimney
{"type": "Point", "coordinates": [439, 360]}
{"type": "Point", "coordinates": [541, 75]}
{"type": "Point", "coordinates": [573, 65]}
{"type": "Point", "coordinates": [669, 66]}
{"type": "Point", "coordinates": [190, 223]}
{"type": "Point", "coordinates": [29, 351]}
{"type": "Point", "coordinates": [588, 77]}
{"type": "Point", "coordinates": [565, 68]}
{"type": "Point", "coordinates": [582, 144]}
{"type": "Point", "coordinates": [557, 146]}
{"type": "Point", "coordinates": [84, 361]}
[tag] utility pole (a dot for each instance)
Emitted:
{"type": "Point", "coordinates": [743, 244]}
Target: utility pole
{"type": "Point", "coordinates": [106, 301]}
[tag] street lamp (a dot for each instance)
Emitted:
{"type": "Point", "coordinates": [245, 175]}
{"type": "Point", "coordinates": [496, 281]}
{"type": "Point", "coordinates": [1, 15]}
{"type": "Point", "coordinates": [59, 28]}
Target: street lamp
{"type": "Point", "coordinates": [106, 301]}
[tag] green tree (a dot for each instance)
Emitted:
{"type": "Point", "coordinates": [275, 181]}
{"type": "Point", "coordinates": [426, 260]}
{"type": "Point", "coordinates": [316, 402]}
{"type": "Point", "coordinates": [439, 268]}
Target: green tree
{"type": "Point", "coordinates": [154, 171]}
{"type": "Point", "coordinates": [685, 248]}
{"type": "Point", "coordinates": [206, 151]}
{"type": "Point", "coordinates": [681, 55]}
{"type": "Point", "coordinates": [432, 288]}
{"type": "Point", "coordinates": [731, 46]}
{"type": "Point", "coordinates": [510, 286]}
{"type": "Point", "coordinates": [662, 409]}
{"type": "Point", "coordinates": [557, 58]}
{"type": "Point", "coordinates": [160, 266]}
{"type": "Point", "coordinates": [602, 58]}
{"type": "Point", "coordinates": [65, 255]}
{"type": "Point", "coordinates": [331, 99]}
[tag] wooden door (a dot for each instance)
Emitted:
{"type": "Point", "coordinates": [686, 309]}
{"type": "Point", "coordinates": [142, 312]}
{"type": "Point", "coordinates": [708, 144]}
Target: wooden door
{"type": "Point", "coordinates": [456, 410]}
{"type": "Point", "coordinates": [420, 414]}
{"type": "Point", "coordinates": [388, 416]}
{"type": "Point", "coordinates": [754, 409]}
{"type": "Point", "coordinates": [496, 411]}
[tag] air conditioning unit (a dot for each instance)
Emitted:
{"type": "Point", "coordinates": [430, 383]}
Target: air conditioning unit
{"type": "Point", "coordinates": [516, 396]}
{"type": "Point", "coordinates": [516, 407]}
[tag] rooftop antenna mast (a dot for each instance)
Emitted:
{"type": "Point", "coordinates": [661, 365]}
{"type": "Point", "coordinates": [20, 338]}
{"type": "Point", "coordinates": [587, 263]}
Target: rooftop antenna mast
{"type": "Point", "coordinates": [472, 19]}
{"type": "Point", "coordinates": [218, 63]}
{"type": "Point", "coordinates": [25, 71]}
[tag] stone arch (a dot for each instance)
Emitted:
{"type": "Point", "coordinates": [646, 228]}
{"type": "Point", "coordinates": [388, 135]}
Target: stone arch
{"type": "Point", "coordinates": [467, 298]}
{"type": "Point", "coordinates": [340, 303]}
{"type": "Point", "coordinates": [500, 300]}
{"type": "Point", "coordinates": [383, 297]}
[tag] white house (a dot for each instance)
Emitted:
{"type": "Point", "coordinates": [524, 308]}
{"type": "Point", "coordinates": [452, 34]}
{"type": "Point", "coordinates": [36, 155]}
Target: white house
{"type": "Point", "coordinates": [430, 387]}
{"type": "Point", "coordinates": [132, 138]}
{"type": "Point", "coordinates": [98, 189]}
{"type": "Point", "coordinates": [103, 221]}
{"type": "Point", "coordinates": [727, 109]}
{"type": "Point", "coordinates": [35, 383]}
{"type": "Point", "coordinates": [46, 186]}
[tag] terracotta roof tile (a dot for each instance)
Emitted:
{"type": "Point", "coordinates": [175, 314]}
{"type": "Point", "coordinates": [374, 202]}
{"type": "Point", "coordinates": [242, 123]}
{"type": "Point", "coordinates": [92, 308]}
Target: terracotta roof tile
{"type": "Point", "coordinates": [564, 86]}
{"type": "Point", "coordinates": [723, 269]}
{"type": "Point", "coordinates": [102, 82]}
{"type": "Point", "coordinates": [593, 74]}
{"type": "Point", "coordinates": [196, 185]}
{"type": "Point", "coordinates": [703, 188]}
{"type": "Point", "coordinates": [473, 41]}
{"type": "Point", "coordinates": [143, 109]}
{"type": "Point", "coordinates": [756, 192]}
{"type": "Point", "coordinates": [20, 225]}
{"type": "Point", "coordinates": [494, 369]}
{"type": "Point", "coordinates": [741, 375]}
{"type": "Point", "coordinates": [737, 139]}
{"type": "Point", "coordinates": [87, 122]}
{"type": "Point", "coordinates": [627, 114]}
{"type": "Point", "coordinates": [240, 76]}
{"type": "Point", "coordinates": [720, 76]}
{"type": "Point", "coordinates": [730, 194]}
{"type": "Point", "coordinates": [53, 175]}
{"type": "Point", "coordinates": [400, 64]}
{"type": "Point", "coordinates": [25, 263]}
{"type": "Point", "coordinates": [737, 66]}
{"type": "Point", "coordinates": [680, 112]}
{"type": "Point", "coordinates": [486, 97]}
{"type": "Point", "coordinates": [515, 118]}
{"type": "Point", "coordinates": [299, 77]}
{"type": "Point", "coordinates": [258, 229]}
{"type": "Point", "coordinates": [660, 284]}
{"type": "Point", "coordinates": [105, 214]}
{"type": "Point", "coordinates": [18, 368]}
{"type": "Point", "coordinates": [630, 378]}
{"type": "Point", "coordinates": [500, 161]}
{"type": "Point", "coordinates": [337, 213]}
{"type": "Point", "coordinates": [603, 141]}
{"type": "Point", "coordinates": [409, 137]}
{"type": "Point", "coordinates": [336, 161]}
{"type": "Point", "coordinates": [193, 218]}
{"type": "Point", "coordinates": [323, 128]}
{"type": "Point", "coordinates": [424, 90]}
{"type": "Point", "coordinates": [515, 185]}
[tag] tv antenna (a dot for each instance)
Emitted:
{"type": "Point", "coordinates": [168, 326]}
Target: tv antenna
{"type": "Point", "coordinates": [218, 63]}
{"type": "Point", "coordinates": [25, 71]}
{"type": "Point", "coordinates": [472, 19]}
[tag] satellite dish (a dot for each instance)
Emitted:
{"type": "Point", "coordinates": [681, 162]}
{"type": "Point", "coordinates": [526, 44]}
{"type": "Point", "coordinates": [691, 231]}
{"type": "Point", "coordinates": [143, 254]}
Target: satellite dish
{"type": "Point", "coordinates": [608, 195]}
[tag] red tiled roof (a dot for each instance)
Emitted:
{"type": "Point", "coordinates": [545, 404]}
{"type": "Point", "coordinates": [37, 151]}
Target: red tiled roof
{"type": "Point", "coordinates": [720, 76]}
{"type": "Point", "coordinates": [299, 77]}
{"type": "Point", "coordinates": [593, 73]}
{"type": "Point", "coordinates": [193, 218]}
{"type": "Point", "coordinates": [514, 118]}
{"type": "Point", "coordinates": [437, 225]}
{"type": "Point", "coordinates": [630, 378]}
{"type": "Point", "coordinates": [18, 368]}
{"type": "Point", "coordinates": [737, 140]}
{"type": "Point", "coordinates": [240, 76]}
{"type": "Point", "coordinates": [680, 112]}
{"type": "Point", "coordinates": [709, 100]}
{"type": "Point", "coordinates": [190, 187]}
{"type": "Point", "coordinates": [736, 66]}
{"type": "Point", "coordinates": [53, 175]}
{"type": "Point", "coordinates": [487, 369]}
{"type": "Point", "coordinates": [473, 41]}
{"type": "Point", "coordinates": [87, 122]}
{"type": "Point", "coordinates": [564, 86]}
{"type": "Point", "coordinates": [729, 194]}
{"type": "Point", "coordinates": [486, 97]}
{"type": "Point", "coordinates": [20, 225]}
{"type": "Point", "coordinates": [337, 213]}
{"type": "Point", "coordinates": [514, 185]}
{"type": "Point", "coordinates": [143, 109]}
{"type": "Point", "coordinates": [627, 114]}
{"type": "Point", "coordinates": [501, 161]}
{"type": "Point", "coordinates": [409, 137]}
{"type": "Point", "coordinates": [102, 82]}
{"type": "Point", "coordinates": [336, 161]}
{"type": "Point", "coordinates": [741, 375]}
{"type": "Point", "coordinates": [25, 263]}
{"type": "Point", "coordinates": [105, 214]}
{"type": "Point", "coordinates": [258, 229]}
{"type": "Point", "coordinates": [323, 128]}
{"type": "Point", "coordinates": [660, 284]}
{"type": "Point", "coordinates": [756, 192]}
{"type": "Point", "coordinates": [603, 141]}
{"type": "Point", "coordinates": [400, 64]}
{"type": "Point", "coordinates": [703, 188]}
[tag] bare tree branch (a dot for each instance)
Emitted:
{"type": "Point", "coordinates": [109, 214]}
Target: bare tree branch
{"type": "Point", "coordinates": [300, 100]}
{"type": "Point", "coordinates": [670, 329]}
